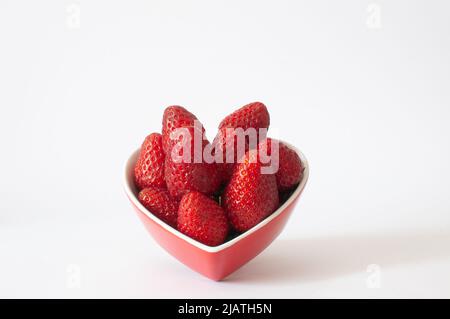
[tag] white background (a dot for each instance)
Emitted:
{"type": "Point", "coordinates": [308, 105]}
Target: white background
{"type": "Point", "coordinates": [361, 87]}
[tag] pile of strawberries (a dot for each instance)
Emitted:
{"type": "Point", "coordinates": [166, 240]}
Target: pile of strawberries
{"type": "Point", "coordinates": [211, 202]}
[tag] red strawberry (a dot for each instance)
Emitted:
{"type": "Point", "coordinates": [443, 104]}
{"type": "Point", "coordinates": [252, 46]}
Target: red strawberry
{"type": "Point", "coordinates": [149, 168]}
{"type": "Point", "coordinates": [290, 170]}
{"type": "Point", "coordinates": [251, 115]}
{"type": "Point", "coordinates": [250, 195]}
{"type": "Point", "coordinates": [184, 176]}
{"type": "Point", "coordinates": [227, 140]}
{"type": "Point", "coordinates": [175, 117]}
{"type": "Point", "coordinates": [161, 204]}
{"type": "Point", "coordinates": [202, 219]}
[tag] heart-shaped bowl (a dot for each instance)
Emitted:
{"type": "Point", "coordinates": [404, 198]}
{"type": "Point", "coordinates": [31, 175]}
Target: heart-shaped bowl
{"type": "Point", "coordinates": [217, 262]}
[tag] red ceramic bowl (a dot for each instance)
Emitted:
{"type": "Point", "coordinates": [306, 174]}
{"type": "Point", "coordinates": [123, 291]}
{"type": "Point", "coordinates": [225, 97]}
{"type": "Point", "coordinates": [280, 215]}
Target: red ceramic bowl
{"type": "Point", "coordinates": [217, 262]}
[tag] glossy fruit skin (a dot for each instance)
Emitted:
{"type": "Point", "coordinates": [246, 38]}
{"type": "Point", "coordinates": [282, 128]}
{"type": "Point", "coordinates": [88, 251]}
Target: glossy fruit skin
{"type": "Point", "coordinates": [183, 177]}
{"type": "Point", "coordinates": [290, 170]}
{"type": "Point", "coordinates": [159, 202]}
{"type": "Point", "coordinates": [251, 115]}
{"type": "Point", "coordinates": [250, 195]}
{"type": "Point", "coordinates": [226, 140]}
{"type": "Point", "coordinates": [149, 169]}
{"type": "Point", "coordinates": [202, 219]}
{"type": "Point", "coordinates": [175, 117]}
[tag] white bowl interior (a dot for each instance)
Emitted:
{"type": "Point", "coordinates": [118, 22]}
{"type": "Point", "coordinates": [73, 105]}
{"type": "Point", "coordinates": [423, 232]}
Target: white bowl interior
{"type": "Point", "coordinates": [131, 191]}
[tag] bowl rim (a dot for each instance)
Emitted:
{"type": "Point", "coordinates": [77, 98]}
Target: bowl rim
{"type": "Point", "coordinates": [128, 182]}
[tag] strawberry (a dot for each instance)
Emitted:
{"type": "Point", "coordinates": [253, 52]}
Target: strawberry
{"type": "Point", "coordinates": [202, 219]}
{"type": "Point", "coordinates": [159, 202]}
{"type": "Point", "coordinates": [182, 177]}
{"type": "Point", "coordinates": [290, 171]}
{"type": "Point", "coordinates": [250, 195]}
{"type": "Point", "coordinates": [251, 115]}
{"type": "Point", "coordinates": [227, 140]}
{"type": "Point", "coordinates": [175, 117]}
{"type": "Point", "coordinates": [149, 168]}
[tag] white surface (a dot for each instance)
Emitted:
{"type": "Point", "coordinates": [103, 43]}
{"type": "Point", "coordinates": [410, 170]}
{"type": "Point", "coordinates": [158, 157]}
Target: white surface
{"type": "Point", "coordinates": [368, 106]}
